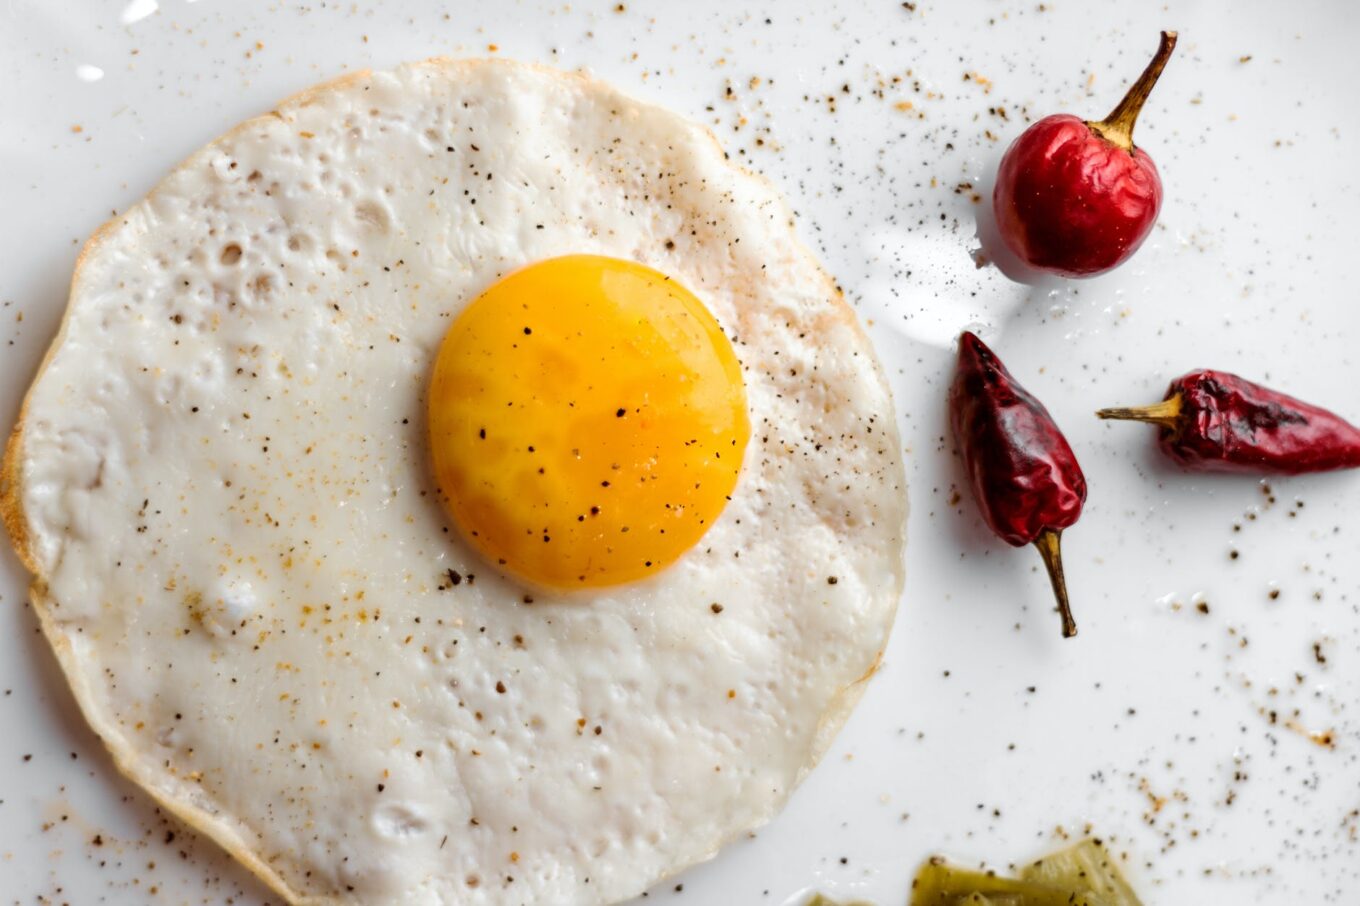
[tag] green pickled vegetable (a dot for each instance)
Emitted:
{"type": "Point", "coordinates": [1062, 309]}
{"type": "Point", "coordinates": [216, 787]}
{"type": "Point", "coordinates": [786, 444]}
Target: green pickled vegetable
{"type": "Point", "coordinates": [938, 884]}
{"type": "Point", "coordinates": [1082, 875]}
{"type": "Point", "coordinates": [1086, 868]}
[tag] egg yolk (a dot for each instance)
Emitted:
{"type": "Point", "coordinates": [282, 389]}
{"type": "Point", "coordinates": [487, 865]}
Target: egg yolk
{"type": "Point", "coordinates": [587, 421]}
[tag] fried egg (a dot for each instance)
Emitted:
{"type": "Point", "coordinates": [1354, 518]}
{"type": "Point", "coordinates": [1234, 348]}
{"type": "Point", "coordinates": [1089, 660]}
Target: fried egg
{"type": "Point", "coordinates": [460, 485]}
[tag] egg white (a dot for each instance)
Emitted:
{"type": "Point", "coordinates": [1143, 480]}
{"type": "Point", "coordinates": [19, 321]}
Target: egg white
{"type": "Point", "coordinates": [221, 484]}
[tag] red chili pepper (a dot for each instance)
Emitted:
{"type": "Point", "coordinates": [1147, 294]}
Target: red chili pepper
{"type": "Point", "coordinates": [1075, 197]}
{"type": "Point", "coordinates": [1024, 475]}
{"type": "Point", "coordinates": [1215, 421]}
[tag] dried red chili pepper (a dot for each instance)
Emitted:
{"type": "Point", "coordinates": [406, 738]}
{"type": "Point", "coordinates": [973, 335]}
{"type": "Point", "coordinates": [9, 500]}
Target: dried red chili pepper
{"type": "Point", "coordinates": [1215, 421]}
{"type": "Point", "coordinates": [1024, 475]}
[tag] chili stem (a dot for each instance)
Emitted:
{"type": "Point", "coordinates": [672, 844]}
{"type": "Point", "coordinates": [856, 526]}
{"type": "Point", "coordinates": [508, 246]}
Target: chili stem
{"type": "Point", "coordinates": [1049, 549]}
{"type": "Point", "coordinates": [1117, 128]}
{"type": "Point", "coordinates": [1167, 413]}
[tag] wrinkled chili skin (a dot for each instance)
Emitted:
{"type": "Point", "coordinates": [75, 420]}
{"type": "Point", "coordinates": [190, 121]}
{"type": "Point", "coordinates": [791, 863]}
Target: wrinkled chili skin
{"type": "Point", "coordinates": [1022, 470]}
{"type": "Point", "coordinates": [1071, 203]}
{"type": "Point", "coordinates": [1230, 424]}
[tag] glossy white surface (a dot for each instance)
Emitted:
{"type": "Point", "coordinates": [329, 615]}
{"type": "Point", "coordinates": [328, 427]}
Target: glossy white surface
{"type": "Point", "coordinates": [984, 732]}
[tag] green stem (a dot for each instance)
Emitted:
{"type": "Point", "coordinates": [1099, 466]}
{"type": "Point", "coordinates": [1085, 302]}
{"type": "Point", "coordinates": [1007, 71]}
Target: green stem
{"type": "Point", "coordinates": [1117, 128]}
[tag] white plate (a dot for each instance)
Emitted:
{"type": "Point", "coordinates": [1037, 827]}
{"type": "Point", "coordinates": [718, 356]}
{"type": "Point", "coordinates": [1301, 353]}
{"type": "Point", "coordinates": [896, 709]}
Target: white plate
{"type": "Point", "coordinates": [985, 736]}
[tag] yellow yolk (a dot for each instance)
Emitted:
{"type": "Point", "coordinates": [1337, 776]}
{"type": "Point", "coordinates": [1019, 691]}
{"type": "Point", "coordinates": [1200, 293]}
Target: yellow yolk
{"type": "Point", "coordinates": [587, 421]}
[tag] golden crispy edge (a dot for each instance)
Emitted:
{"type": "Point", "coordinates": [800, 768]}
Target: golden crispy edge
{"type": "Point", "coordinates": [128, 765]}
{"type": "Point", "coordinates": [15, 522]}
